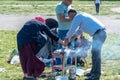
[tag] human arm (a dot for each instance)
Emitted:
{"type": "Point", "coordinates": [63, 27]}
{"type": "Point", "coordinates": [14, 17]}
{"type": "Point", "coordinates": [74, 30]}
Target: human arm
{"type": "Point", "coordinates": [73, 37]}
{"type": "Point", "coordinates": [62, 18]}
{"type": "Point", "coordinates": [67, 40]}
{"type": "Point", "coordinates": [62, 14]}
{"type": "Point", "coordinates": [74, 27]}
{"type": "Point", "coordinates": [61, 42]}
{"type": "Point", "coordinates": [52, 35]}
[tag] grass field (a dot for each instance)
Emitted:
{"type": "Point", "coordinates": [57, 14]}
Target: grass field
{"type": "Point", "coordinates": [48, 7]}
{"type": "Point", "coordinates": [110, 55]}
{"type": "Point", "coordinates": [110, 58]}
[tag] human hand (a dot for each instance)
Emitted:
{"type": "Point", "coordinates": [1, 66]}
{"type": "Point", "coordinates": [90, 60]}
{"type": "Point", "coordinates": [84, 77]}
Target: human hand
{"type": "Point", "coordinates": [60, 41]}
{"type": "Point", "coordinates": [73, 37]}
{"type": "Point", "coordinates": [66, 41]}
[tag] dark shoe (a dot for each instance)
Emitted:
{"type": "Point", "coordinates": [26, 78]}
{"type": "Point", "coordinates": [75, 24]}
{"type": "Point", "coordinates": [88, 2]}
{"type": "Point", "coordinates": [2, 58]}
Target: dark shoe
{"type": "Point", "coordinates": [92, 78]}
{"type": "Point", "coordinates": [88, 74]}
{"type": "Point", "coordinates": [57, 71]}
{"type": "Point", "coordinates": [28, 78]}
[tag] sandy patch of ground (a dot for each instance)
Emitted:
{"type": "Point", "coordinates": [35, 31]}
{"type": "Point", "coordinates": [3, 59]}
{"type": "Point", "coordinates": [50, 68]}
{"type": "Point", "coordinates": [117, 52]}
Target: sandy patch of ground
{"type": "Point", "coordinates": [15, 22]}
{"type": "Point", "coordinates": [116, 9]}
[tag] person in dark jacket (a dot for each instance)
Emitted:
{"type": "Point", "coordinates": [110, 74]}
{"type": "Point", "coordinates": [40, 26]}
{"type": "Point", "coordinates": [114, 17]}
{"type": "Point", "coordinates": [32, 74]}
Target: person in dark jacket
{"type": "Point", "coordinates": [51, 45]}
{"type": "Point", "coordinates": [30, 39]}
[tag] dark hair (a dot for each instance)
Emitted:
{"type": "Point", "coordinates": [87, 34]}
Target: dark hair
{"type": "Point", "coordinates": [72, 11]}
{"type": "Point", "coordinates": [51, 23]}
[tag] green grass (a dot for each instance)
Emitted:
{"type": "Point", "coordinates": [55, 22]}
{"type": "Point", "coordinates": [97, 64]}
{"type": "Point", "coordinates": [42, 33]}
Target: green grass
{"type": "Point", "coordinates": [6, 7]}
{"type": "Point", "coordinates": [110, 58]}
{"type": "Point", "coordinates": [110, 55]}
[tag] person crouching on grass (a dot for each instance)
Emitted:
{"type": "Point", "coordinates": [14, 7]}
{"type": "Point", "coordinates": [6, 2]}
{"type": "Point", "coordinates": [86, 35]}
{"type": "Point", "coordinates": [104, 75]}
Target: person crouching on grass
{"type": "Point", "coordinates": [30, 39]}
{"type": "Point", "coordinates": [83, 22]}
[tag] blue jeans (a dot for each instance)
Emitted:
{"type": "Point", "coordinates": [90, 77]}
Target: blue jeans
{"type": "Point", "coordinates": [62, 34]}
{"type": "Point", "coordinates": [97, 6]}
{"type": "Point", "coordinates": [98, 40]}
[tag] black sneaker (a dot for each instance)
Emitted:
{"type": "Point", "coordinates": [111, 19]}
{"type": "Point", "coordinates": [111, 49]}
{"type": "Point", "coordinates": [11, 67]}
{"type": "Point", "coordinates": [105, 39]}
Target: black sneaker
{"type": "Point", "coordinates": [88, 74]}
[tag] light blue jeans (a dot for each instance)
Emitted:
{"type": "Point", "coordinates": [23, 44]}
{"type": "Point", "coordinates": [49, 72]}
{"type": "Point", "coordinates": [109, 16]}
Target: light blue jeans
{"type": "Point", "coordinates": [98, 40]}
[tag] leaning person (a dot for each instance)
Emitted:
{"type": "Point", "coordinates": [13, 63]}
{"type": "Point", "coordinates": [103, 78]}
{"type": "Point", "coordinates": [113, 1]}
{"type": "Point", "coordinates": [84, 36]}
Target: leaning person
{"type": "Point", "coordinates": [30, 39]}
{"type": "Point", "coordinates": [86, 23]}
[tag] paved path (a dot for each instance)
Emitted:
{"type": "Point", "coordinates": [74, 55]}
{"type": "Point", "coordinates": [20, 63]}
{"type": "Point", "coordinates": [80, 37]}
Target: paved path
{"type": "Point", "coordinates": [15, 22]}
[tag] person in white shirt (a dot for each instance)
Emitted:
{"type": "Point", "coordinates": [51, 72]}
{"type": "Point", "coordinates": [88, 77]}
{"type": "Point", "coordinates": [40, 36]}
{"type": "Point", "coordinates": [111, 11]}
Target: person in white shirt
{"type": "Point", "coordinates": [83, 22]}
{"type": "Point", "coordinates": [97, 5]}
